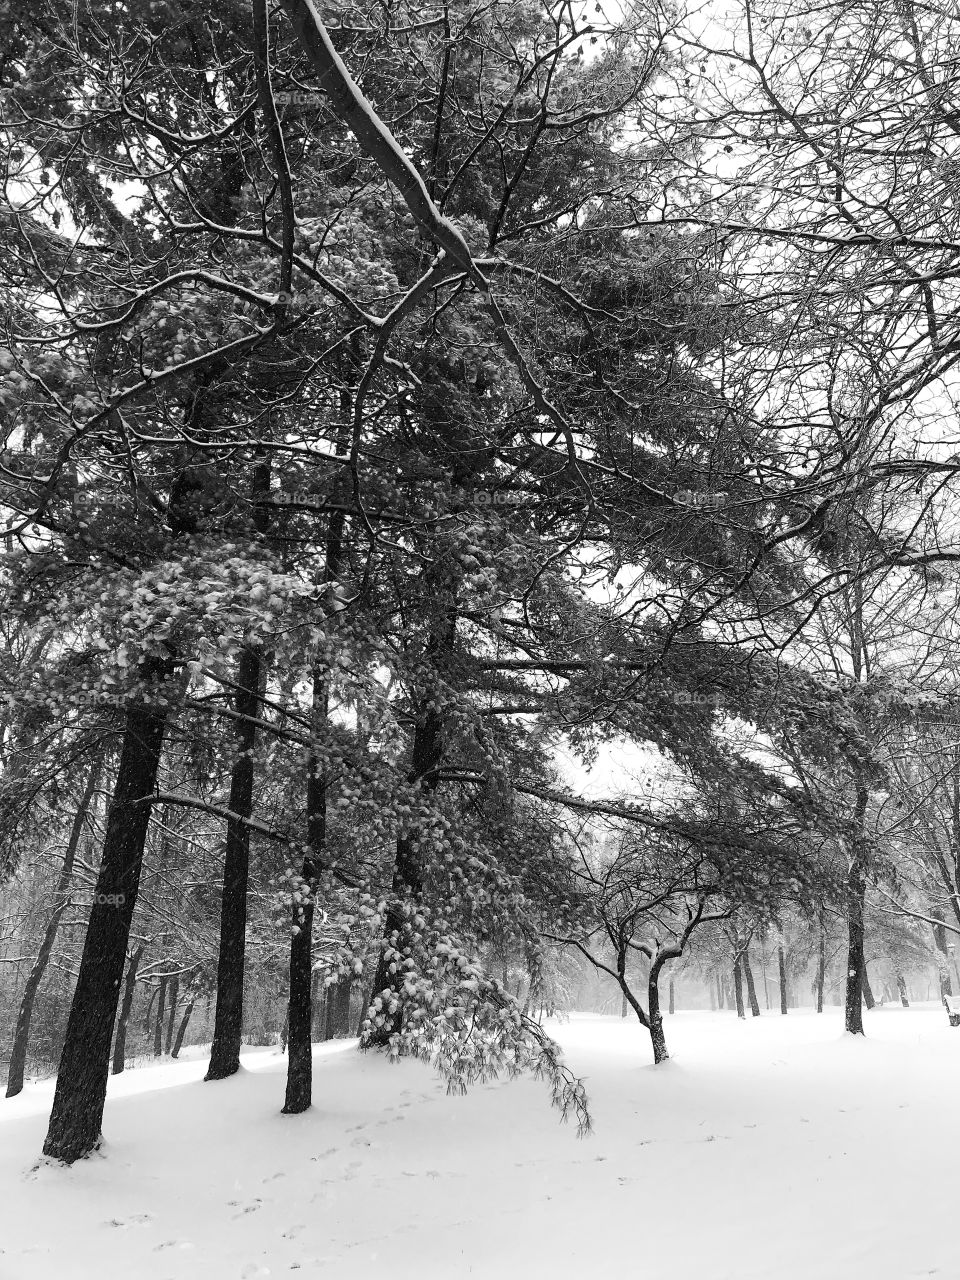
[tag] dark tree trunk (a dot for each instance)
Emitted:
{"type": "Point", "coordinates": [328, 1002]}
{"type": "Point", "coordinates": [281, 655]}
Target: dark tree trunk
{"type": "Point", "coordinates": [129, 987]}
{"type": "Point", "coordinates": [868, 996]}
{"type": "Point", "coordinates": [158, 1021]}
{"type": "Point", "coordinates": [148, 1012]}
{"type": "Point", "coordinates": [407, 881]}
{"type": "Point", "coordinates": [228, 1019]}
{"type": "Point", "coordinates": [317, 1009]}
{"type": "Point", "coordinates": [654, 1016]}
{"type": "Point", "coordinates": [943, 966]}
{"type": "Point", "coordinates": [21, 1036]}
{"type": "Point", "coordinates": [182, 1029]}
{"type": "Point", "coordinates": [299, 1092]}
{"type": "Point", "coordinates": [738, 988]}
{"type": "Point", "coordinates": [902, 991]}
{"type": "Point", "coordinates": [856, 894]}
{"type": "Point", "coordinates": [338, 1010]}
{"type": "Point", "coordinates": [751, 985]}
{"type": "Point", "coordinates": [172, 1017]}
{"type": "Point", "coordinates": [782, 968]}
{"type": "Point", "coordinates": [77, 1114]}
{"type": "Point", "coordinates": [821, 969]}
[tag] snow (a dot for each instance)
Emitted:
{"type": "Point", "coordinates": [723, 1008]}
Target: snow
{"type": "Point", "coordinates": [774, 1147]}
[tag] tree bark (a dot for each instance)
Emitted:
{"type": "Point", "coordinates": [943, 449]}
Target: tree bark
{"type": "Point", "coordinates": [902, 990]}
{"type": "Point", "coordinates": [738, 988]}
{"type": "Point", "coordinates": [182, 1029]}
{"type": "Point", "coordinates": [407, 880]}
{"type": "Point", "coordinates": [129, 987]}
{"type": "Point", "coordinates": [672, 1005]}
{"type": "Point", "coordinates": [338, 1009]}
{"type": "Point", "coordinates": [172, 1016]}
{"type": "Point", "coordinates": [782, 968]}
{"type": "Point", "coordinates": [751, 985]}
{"type": "Point", "coordinates": [77, 1113]}
{"type": "Point", "coordinates": [868, 996]}
{"type": "Point", "coordinates": [943, 966]}
{"type": "Point", "coordinates": [231, 956]}
{"type": "Point", "coordinates": [148, 1012]}
{"type": "Point", "coordinates": [228, 1018]}
{"type": "Point", "coordinates": [21, 1036]}
{"type": "Point", "coordinates": [158, 1020]}
{"type": "Point", "coordinates": [299, 1091]}
{"type": "Point", "coordinates": [654, 1016]}
{"type": "Point", "coordinates": [821, 968]}
{"type": "Point", "coordinates": [856, 895]}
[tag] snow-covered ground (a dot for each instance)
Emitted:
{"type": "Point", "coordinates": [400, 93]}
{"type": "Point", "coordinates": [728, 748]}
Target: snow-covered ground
{"type": "Point", "coordinates": [771, 1148]}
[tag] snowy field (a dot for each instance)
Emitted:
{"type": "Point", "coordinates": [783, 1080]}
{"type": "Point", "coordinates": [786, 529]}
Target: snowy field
{"type": "Point", "coordinates": [771, 1148]}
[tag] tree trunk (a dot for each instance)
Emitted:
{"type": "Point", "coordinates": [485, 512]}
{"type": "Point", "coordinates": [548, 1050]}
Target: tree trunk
{"type": "Point", "coordinates": [738, 988]}
{"type": "Point", "coordinates": [751, 985]}
{"type": "Point", "coordinates": [21, 1036]}
{"type": "Point", "coordinates": [228, 1019]}
{"type": "Point", "coordinates": [821, 968]}
{"type": "Point", "coordinates": [299, 1092]}
{"type": "Point", "coordinates": [855, 894]}
{"type": "Point", "coordinates": [148, 1012]}
{"type": "Point", "coordinates": [868, 997]}
{"type": "Point", "coordinates": [129, 987]}
{"type": "Point", "coordinates": [624, 1007]}
{"type": "Point", "coordinates": [77, 1113]}
{"type": "Point", "coordinates": [654, 1016]}
{"type": "Point", "coordinates": [672, 1006]}
{"type": "Point", "coordinates": [719, 992]}
{"type": "Point", "coordinates": [158, 1021]}
{"type": "Point", "coordinates": [318, 1006]}
{"type": "Point", "coordinates": [782, 968]}
{"type": "Point", "coordinates": [182, 1029]}
{"type": "Point", "coordinates": [172, 1017]}
{"type": "Point", "coordinates": [902, 990]}
{"type": "Point", "coordinates": [407, 881]}
{"type": "Point", "coordinates": [940, 938]}
{"type": "Point", "coordinates": [338, 1009]}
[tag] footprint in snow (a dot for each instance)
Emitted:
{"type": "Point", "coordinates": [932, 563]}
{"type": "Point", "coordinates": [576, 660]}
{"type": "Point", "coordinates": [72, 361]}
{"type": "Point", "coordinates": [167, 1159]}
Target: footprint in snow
{"type": "Point", "coordinates": [173, 1244]}
{"type": "Point", "coordinates": [244, 1208]}
{"type": "Point", "coordinates": [135, 1220]}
